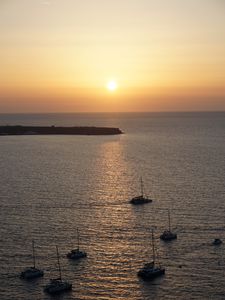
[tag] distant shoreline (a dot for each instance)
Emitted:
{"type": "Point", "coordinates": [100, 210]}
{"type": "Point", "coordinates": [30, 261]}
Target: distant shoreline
{"type": "Point", "coordinates": [51, 130]}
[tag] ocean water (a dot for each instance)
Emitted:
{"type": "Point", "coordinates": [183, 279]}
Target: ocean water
{"type": "Point", "coordinates": [52, 185]}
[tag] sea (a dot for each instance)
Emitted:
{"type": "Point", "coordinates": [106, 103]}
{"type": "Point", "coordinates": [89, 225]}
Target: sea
{"type": "Point", "coordinates": [52, 186]}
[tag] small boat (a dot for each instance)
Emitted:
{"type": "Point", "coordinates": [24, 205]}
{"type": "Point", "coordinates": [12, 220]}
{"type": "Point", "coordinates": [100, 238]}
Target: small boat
{"type": "Point", "coordinates": [168, 235]}
{"type": "Point", "coordinates": [57, 286]}
{"type": "Point", "coordinates": [32, 272]}
{"type": "Point", "coordinates": [150, 270]}
{"type": "Point", "coordinates": [217, 242]}
{"type": "Point", "coordinates": [76, 253]}
{"type": "Point", "coordinates": [140, 199]}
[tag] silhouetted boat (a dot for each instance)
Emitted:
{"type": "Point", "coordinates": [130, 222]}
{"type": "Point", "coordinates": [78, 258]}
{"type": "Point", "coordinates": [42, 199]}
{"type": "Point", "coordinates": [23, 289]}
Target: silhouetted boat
{"type": "Point", "coordinates": [32, 272]}
{"type": "Point", "coordinates": [76, 253]}
{"type": "Point", "coordinates": [57, 286]}
{"type": "Point", "coordinates": [217, 242]}
{"type": "Point", "coordinates": [151, 270]}
{"type": "Point", "coordinates": [140, 199]}
{"type": "Point", "coordinates": [168, 235]}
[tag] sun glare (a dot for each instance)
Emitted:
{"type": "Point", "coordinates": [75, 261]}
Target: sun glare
{"type": "Point", "coordinates": [112, 85]}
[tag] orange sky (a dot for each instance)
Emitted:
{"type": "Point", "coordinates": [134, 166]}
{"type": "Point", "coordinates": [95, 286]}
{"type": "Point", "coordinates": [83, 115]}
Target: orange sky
{"type": "Point", "coordinates": [57, 56]}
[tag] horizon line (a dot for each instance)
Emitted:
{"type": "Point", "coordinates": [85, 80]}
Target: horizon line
{"type": "Point", "coordinates": [113, 112]}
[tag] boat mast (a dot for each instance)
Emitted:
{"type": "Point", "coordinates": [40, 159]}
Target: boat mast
{"type": "Point", "coordinates": [33, 253]}
{"type": "Point", "coordinates": [78, 239]}
{"type": "Point", "coordinates": [169, 219]}
{"type": "Point", "coordinates": [153, 247]}
{"type": "Point", "coordinates": [60, 274]}
{"type": "Point", "coordinates": [141, 187]}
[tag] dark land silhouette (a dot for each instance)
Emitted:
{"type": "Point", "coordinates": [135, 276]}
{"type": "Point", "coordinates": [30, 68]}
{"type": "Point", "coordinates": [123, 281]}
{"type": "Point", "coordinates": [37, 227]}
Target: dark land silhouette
{"type": "Point", "coordinates": [32, 130]}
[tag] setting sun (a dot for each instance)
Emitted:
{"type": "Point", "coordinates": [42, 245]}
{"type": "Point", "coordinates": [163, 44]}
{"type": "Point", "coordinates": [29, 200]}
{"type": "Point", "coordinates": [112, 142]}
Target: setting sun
{"type": "Point", "coordinates": [92, 56]}
{"type": "Point", "coordinates": [112, 85]}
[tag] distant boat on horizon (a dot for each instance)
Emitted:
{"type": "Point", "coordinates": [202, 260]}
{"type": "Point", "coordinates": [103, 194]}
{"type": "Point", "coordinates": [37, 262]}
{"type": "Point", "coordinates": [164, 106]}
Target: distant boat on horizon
{"type": "Point", "coordinates": [140, 199]}
{"type": "Point", "coordinates": [168, 235]}
{"type": "Point", "coordinates": [57, 286]}
{"type": "Point", "coordinates": [217, 242]}
{"type": "Point", "coordinates": [77, 253]}
{"type": "Point", "coordinates": [32, 272]}
{"type": "Point", "coordinates": [151, 270]}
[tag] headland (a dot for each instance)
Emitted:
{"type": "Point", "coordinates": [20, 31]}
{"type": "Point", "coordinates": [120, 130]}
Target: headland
{"type": "Point", "coordinates": [48, 130]}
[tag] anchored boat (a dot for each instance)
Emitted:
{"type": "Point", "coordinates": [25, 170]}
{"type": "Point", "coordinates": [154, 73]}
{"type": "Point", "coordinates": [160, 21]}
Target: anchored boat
{"type": "Point", "coordinates": [57, 286]}
{"type": "Point", "coordinates": [76, 253]}
{"type": "Point", "coordinates": [168, 235]}
{"type": "Point", "coordinates": [32, 272]}
{"type": "Point", "coordinates": [151, 270]}
{"type": "Point", "coordinates": [140, 199]}
{"type": "Point", "coordinates": [217, 242]}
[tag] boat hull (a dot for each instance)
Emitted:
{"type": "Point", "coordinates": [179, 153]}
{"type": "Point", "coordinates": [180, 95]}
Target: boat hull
{"type": "Point", "coordinates": [168, 236]}
{"type": "Point", "coordinates": [217, 242]}
{"type": "Point", "coordinates": [31, 273]}
{"type": "Point", "coordinates": [76, 255]}
{"type": "Point", "coordinates": [140, 200]}
{"type": "Point", "coordinates": [57, 287]}
{"type": "Point", "coordinates": [150, 275]}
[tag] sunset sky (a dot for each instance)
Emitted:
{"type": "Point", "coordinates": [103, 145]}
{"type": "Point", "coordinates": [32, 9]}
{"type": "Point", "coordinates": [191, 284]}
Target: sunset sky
{"type": "Point", "coordinates": [163, 55]}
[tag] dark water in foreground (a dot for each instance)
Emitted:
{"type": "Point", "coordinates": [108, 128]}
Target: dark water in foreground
{"type": "Point", "coordinates": [50, 185]}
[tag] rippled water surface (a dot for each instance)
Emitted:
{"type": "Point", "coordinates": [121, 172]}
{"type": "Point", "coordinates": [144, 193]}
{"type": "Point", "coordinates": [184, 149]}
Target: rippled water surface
{"type": "Point", "coordinates": [52, 185]}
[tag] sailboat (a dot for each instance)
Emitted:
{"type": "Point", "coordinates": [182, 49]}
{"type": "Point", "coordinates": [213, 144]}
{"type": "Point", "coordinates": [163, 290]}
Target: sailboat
{"type": "Point", "coordinates": [57, 286]}
{"type": "Point", "coordinates": [140, 199]}
{"type": "Point", "coordinates": [151, 270]}
{"type": "Point", "coordinates": [168, 235]}
{"type": "Point", "coordinates": [32, 272]}
{"type": "Point", "coordinates": [76, 253]}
